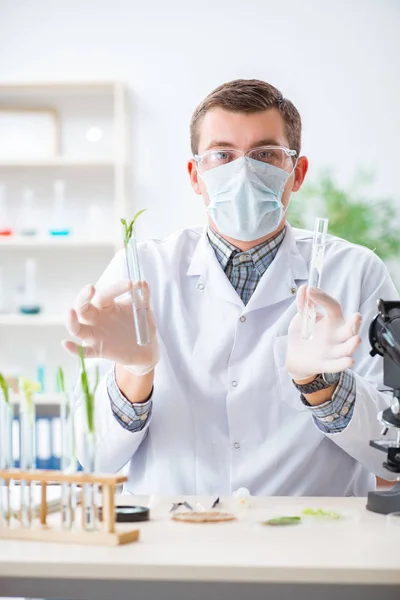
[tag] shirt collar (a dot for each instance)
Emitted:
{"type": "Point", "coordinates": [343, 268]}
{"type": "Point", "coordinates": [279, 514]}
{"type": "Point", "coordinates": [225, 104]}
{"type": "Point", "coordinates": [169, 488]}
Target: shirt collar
{"type": "Point", "coordinates": [260, 257]}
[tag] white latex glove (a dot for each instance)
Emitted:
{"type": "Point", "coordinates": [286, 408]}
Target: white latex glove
{"type": "Point", "coordinates": [103, 322]}
{"type": "Point", "coordinates": [334, 341]}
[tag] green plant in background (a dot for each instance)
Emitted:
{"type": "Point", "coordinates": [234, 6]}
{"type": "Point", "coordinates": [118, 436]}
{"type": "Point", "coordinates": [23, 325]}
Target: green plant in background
{"type": "Point", "coordinates": [352, 215]}
{"type": "Point", "coordinates": [4, 387]}
{"type": "Point", "coordinates": [89, 396]}
{"type": "Point", "coordinates": [128, 229]}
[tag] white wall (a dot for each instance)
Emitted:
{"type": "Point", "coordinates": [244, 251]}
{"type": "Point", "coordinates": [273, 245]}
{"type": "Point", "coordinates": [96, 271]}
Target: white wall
{"type": "Point", "coordinates": [339, 62]}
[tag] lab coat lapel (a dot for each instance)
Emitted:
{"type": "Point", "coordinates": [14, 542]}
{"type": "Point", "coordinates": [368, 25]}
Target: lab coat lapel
{"type": "Point", "coordinates": [286, 273]}
{"type": "Point", "coordinates": [205, 265]}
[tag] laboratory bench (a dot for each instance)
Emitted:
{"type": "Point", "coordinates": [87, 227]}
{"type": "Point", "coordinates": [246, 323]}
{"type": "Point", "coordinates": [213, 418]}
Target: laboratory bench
{"type": "Point", "coordinates": [357, 556]}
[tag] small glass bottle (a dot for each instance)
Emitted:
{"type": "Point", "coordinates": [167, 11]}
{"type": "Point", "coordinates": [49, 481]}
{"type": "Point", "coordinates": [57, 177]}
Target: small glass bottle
{"type": "Point", "coordinates": [5, 221]}
{"type": "Point", "coordinates": [29, 303]}
{"type": "Point", "coordinates": [27, 220]}
{"type": "Point", "coordinates": [59, 225]}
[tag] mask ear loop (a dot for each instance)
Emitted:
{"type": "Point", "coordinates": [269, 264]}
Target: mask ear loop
{"type": "Point", "coordinates": [290, 174]}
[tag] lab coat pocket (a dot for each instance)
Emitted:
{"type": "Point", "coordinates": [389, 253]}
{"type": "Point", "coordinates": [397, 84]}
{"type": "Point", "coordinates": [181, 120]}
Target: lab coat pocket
{"type": "Point", "coordinates": [289, 394]}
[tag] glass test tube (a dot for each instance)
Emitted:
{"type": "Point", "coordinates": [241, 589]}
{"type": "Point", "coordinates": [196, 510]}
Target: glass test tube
{"type": "Point", "coordinates": [27, 416]}
{"type": "Point", "coordinates": [89, 489]}
{"type": "Point", "coordinates": [6, 455]}
{"type": "Point", "coordinates": [68, 461]}
{"type": "Point", "coordinates": [314, 278]}
{"type": "Point", "coordinates": [138, 306]}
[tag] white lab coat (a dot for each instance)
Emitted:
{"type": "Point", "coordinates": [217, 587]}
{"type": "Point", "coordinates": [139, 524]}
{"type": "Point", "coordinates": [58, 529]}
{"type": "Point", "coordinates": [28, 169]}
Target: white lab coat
{"type": "Point", "coordinates": [225, 411]}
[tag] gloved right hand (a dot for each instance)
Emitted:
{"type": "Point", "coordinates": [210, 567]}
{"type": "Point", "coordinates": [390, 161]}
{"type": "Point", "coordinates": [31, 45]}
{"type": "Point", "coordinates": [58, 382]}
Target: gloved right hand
{"type": "Point", "coordinates": [103, 322]}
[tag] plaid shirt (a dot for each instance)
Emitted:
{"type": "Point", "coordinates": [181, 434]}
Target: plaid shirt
{"type": "Point", "coordinates": [244, 270]}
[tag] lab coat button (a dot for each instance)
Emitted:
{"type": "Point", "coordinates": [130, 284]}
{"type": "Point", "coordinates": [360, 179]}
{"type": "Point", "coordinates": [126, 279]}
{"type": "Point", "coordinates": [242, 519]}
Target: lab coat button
{"type": "Point", "coordinates": [234, 383]}
{"type": "Point", "coordinates": [293, 290]}
{"type": "Point", "coordinates": [201, 286]}
{"type": "Point", "coordinates": [242, 319]}
{"type": "Point", "coordinates": [236, 445]}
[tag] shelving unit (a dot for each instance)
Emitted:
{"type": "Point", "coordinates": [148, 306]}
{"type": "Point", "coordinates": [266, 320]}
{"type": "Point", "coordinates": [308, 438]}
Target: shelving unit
{"type": "Point", "coordinates": [58, 161]}
{"type": "Point", "coordinates": [40, 320]}
{"type": "Point", "coordinates": [69, 241]}
{"type": "Point", "coordinates": [95, 171]}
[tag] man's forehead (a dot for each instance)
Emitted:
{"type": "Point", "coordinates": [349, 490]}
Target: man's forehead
{"type": "Point", "coordinates": [241, 130]}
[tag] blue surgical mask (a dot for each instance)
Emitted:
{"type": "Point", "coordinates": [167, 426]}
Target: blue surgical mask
{"type": "Point", "coordinates": [245, 198]}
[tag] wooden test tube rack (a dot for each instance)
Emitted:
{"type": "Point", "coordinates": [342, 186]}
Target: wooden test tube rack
{"type": "Point", "coordinates": [40, 530]}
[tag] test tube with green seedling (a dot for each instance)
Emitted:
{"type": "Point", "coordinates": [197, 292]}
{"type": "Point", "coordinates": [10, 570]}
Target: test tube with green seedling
{"type": "Point", "coordinates": [27, 414]}
{"type": "Point", "coordinates": [6, 453]}
{"type": "Point", "coordinates": [68, 452]}
{"type": "Point", "coordinates": [89, 489]}
{"type": "Point", "coordinates": [133, 267]}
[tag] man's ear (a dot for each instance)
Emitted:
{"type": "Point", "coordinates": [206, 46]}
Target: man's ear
{"type": "Point", "coordinates": [194, 176]}
{"type": "Point", "coordinates": [299, 173]}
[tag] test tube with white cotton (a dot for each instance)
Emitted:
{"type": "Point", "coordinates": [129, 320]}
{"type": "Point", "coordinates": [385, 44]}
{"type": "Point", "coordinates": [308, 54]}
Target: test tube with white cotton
{"type": "Point", "coordinates": [314, 277]}
{"type": "Point", "coordinates": [6, 449]}
{"type": "Point", "coordinates": [133, 268]}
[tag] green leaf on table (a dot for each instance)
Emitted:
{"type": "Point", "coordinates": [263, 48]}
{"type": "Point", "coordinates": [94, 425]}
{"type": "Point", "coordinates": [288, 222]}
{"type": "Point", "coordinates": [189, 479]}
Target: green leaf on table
{"type": "Point", "coordinates": [283, 521]}
{"type": "Point", "coordinates": [319, 512]}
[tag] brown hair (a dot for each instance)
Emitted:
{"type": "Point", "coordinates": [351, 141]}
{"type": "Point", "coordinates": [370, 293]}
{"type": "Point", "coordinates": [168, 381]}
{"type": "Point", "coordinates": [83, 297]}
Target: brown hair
{"type": "Point", "coordinates": [249, 96]}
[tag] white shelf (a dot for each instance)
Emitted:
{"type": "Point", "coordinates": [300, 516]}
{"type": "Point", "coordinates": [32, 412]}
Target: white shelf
{"type": "Point", "coordinates": [49, 241]}
{"type": "Point", "coordinates": [58, 161]}
{"type": "Point", "coordinates": [49, 86]}
{"type": "Point", "coordinates": [40, 320]}
{"type": "Point", "coordinates": [42, 399]}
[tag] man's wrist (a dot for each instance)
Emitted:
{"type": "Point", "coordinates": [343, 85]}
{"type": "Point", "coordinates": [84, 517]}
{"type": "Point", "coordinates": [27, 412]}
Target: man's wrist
{"type": "Point", "coordinates": [318, 389]}
{"type": "Point", "coordinates": [137, 389]}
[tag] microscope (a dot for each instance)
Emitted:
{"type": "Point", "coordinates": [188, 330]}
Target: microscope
{"type": "Point", "coordinates": [384, 336]}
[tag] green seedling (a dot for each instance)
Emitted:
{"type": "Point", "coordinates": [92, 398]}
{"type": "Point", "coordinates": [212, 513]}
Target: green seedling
{"type": "Point", "coordinates": [4, 387]}
{"type": "Point", "coordinates": [128, 229]}
{"type": "Point", "coordinates": [60, 380]}
{"type": "Point", "coordinates": [29, 388]}
{"type": "Point", "coordinates": [89, 396]}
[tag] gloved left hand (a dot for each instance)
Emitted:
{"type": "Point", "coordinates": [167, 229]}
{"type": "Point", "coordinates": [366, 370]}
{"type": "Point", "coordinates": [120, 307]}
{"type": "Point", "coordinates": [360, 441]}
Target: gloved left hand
{"type": "Point", "coordinates": [103, 322]}
{"type": "Point", "coordinates": [333, 343]}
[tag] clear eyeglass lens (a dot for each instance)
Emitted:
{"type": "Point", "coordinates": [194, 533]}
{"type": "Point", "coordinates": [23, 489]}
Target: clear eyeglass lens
{"type": "Point", "coordinates": [216, 158]}
{"type": "Point", "coordinates": [277, 157]}
{"type": "Point", "coordinates": [270, 155]}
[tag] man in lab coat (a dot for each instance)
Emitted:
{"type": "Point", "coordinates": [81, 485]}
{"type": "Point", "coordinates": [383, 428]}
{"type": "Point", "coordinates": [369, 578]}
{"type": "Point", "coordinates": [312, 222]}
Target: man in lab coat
{"type": "Point", "coordinates": [227, 393]}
